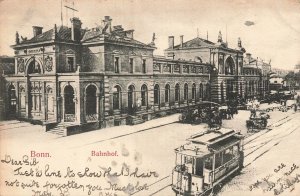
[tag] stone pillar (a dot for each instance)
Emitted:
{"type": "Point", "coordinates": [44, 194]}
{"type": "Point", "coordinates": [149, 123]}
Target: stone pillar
{"type": "Point", "coordinates": [97, 105]}
{"type": "Point", "coordinates": [84, 108]}
{"type": "Point", "coordinates": [63, 108]}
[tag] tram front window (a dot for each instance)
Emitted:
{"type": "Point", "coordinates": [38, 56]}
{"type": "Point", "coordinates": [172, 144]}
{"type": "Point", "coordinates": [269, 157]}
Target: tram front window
{"type": "Point", "coordinates": [228, 154]}
{"type": "Point", "coordinates": [208, 163]}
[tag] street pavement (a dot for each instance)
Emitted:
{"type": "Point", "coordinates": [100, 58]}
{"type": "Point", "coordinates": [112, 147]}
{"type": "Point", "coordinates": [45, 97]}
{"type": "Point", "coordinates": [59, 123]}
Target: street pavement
{"type": "Point", "coordinates": [150, 146]}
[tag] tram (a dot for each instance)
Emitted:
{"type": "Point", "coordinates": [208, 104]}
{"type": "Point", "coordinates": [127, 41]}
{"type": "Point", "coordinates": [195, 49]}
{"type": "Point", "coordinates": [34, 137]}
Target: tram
{"type": "Point", "coordinates": [206, 160]}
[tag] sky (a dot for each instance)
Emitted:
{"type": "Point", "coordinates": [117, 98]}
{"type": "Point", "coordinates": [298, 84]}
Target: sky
{"type": "Point", "coordinates": [269, 29]}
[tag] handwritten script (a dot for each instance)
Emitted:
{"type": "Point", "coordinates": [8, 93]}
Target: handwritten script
{"type": "Point", "coordinates": [44, 179]}
{"type": "Point", "coordinates": [283, 179]}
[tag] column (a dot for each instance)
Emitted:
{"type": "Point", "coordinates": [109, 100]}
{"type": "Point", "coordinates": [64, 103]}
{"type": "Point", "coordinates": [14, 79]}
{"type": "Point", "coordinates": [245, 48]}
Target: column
{"type": "Point", "coordinates": [63, 108]}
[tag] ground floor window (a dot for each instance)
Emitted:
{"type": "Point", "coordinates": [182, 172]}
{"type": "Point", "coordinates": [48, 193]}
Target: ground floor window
{"type": "Point", "coordinates": [186, 91]}
{"type": "Point", "coordinates": [167, 93]}
{"type": "Point", "coordinates": [177, 92]}
{"type": "Point", "coordinates": [144, 95]}
{"type": "Point", "coordinates": [116, 97]}
{"type": "Point", "coordinates": [194, 91]}
{"type": "Point", "coordinates": [156, 94]}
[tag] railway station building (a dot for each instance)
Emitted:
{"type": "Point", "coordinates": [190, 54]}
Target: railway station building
{"type": "Point", "coordinates": [75, 79]}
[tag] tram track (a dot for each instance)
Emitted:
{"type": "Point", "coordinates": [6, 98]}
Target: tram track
{"type": "Point", "coordinates": [268, 143]}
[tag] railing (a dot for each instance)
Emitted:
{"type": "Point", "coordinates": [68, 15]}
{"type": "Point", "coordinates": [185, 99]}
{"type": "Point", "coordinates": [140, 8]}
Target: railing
{"type": "Point", "coordinates": [69, 118]}
{"type": "Point", "coordinates": [91, 117]}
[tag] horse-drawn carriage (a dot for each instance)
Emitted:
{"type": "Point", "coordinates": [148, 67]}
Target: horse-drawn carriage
{"type": "Point", "coordinates": [205, 112]}
{"type": "Point", "coordinates": [259, 121]}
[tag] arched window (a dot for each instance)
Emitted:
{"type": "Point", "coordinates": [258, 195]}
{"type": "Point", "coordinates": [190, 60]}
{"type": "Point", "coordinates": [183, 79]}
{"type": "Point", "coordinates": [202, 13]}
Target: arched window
{"type": "Point", "coordinates": [131, 97]}
{"type": "Point", "coordinates": [201, 91]}
{"type": "Point", "coordinates": [117, 97]}
{"type": "Point", "coordinates": [194, 91]}
{"type": "Point", "coordinates": [34, 67]}
{"type": "Point", "coordinates": [156, 94]}
{"type": "Point", "coordinates": [167, 93]}
{"type": "Point", "coordinates": [91, 100]}
{"type": "Point", "coordinates": [186, 91]}
{"type": "Point", "coordinates": [177, 92]}
{"type": "Point", "coordinates": [144, 95]}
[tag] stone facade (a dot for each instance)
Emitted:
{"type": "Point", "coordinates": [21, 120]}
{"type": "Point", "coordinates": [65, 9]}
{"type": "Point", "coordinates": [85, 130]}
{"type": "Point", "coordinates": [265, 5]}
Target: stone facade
{"type": "Point", "coordinates": [225, 64]}
{"type": "Point", "coordinates": [84, 79]}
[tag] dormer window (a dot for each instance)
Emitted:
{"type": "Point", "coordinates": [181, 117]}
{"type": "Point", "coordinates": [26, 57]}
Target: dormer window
{"type": "Point", "coordinates": [70, 64]}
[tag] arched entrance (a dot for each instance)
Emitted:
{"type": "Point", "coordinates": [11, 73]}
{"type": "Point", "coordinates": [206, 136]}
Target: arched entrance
{"type": "Point", "coordinates": [69, 97]}
{"type": "Point", "coordinates": [131, 98]}
{"type": "Point", "coordinates": [12, 99]}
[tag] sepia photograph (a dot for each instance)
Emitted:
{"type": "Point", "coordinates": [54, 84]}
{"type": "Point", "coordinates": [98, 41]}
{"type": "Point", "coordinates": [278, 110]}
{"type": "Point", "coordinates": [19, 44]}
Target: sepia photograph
{"type": "Point", "coordinates": [149, 98]}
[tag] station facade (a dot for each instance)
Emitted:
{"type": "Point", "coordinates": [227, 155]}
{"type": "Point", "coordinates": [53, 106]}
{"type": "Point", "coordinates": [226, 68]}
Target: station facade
{"type": "Point", "coordinates": [103, 77]}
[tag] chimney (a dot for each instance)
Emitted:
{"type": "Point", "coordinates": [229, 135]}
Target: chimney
{"type": "Point", "coordinates": [107, 24]}
{"type": "Point", "coordinates": [181, 41]}
{"type": "Point", "coordinates": [37, 30]}
{"type": "Point", "coordinates": [171, 42]}
{"type": "Point", "coordinates": [76, 28]}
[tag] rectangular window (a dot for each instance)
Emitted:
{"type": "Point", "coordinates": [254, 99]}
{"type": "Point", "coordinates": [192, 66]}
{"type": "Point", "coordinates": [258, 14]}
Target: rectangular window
{"type": "Point", "coordinates": [117, 65]}
{"type": "Point", "coordinates": [131, 65]}
{"type": "Point", "coordinates": [144, 66]}
{"type": "Point", "coordinates": [70, 63]}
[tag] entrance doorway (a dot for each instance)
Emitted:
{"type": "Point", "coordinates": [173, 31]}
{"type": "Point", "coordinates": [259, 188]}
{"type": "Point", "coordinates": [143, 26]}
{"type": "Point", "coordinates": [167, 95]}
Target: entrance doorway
{"type": "Point", "coordinates": [69, 104]}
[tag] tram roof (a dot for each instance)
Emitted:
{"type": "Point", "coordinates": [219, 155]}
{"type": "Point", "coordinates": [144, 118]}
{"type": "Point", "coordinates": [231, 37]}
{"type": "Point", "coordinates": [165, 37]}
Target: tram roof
{"type": "Point", "coordinates": [211, 137]}
{"type": "Point", "coordinates": [191, 149]}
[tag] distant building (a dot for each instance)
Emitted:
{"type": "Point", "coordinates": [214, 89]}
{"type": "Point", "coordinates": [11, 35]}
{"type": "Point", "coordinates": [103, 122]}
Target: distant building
{"type": "Point", "coordinates": [226, 64]}
{"type": "Point", "coordinates": [276, 82]}
{"type": "Point", "coordinates": [256, 76]}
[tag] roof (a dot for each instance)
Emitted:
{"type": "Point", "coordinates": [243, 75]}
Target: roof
{"type": "Point", "coordinates": [206, 143]}
{"type": "Point", "coordinates": [87, 36]}
{"type": "Point", "coordinates": [63, 34]}
{"type": "Point", "coordinates": [95, 35]}
{"type": "Point", "coordinates": [195, 43]}
{"type": "Point", "coordinates": [191, 149]}
{"type": "Point", "coordinates": [211, 136]}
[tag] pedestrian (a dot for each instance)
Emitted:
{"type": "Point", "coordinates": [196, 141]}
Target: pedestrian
{"type": "Point", "coordinates": [253, 113]}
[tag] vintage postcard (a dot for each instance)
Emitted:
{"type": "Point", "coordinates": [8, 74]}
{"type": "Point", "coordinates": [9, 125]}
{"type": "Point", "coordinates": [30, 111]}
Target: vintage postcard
{"type": "Point", "coordinates": [149, 98]}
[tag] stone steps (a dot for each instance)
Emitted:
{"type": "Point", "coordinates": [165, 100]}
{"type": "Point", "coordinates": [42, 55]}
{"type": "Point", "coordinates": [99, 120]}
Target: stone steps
{"type": "Point", "coordinates": [60, 129]}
